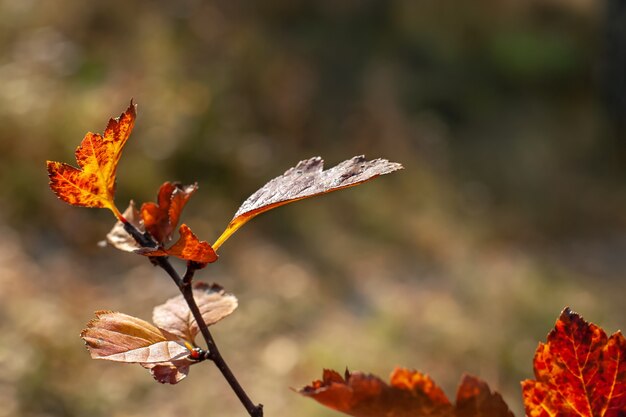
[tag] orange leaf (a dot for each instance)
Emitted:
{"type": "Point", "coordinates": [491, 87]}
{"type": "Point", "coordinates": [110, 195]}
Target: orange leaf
{"type": "Point", "coordinates": [93, 183]}
{"type": "Point", "coordinates": [174, 315]}
{"type": "Point", "coordinates": [188, 247]}
{"type": "Point", "coordinates": [475, 399]}
{"type": "Point", "coordinates": [160, 219]}
{"type": "Point", "coordinates": [123, 338]}
{"type": "Point", "coordinates": [409, 394]}
{"type": "Point", "coordinates": [307, 179]}
{"type": "Point", "coordinates": [579, 372]}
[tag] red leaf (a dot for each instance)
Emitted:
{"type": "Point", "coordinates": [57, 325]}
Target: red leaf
{"type": "Point", "coordinates": [307, 179]}
{"type": "Point", "coordinates": [161, 219]}
{"type": "Point", "coordinates": [188, 247]}
{"type": "Point", "coordinates": [409, 394]}
{"type": "Point", "coordinates": [579, 372]}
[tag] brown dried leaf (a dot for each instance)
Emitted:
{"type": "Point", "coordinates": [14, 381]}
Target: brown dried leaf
{"type": "Point", "coordinates": [174, 315]}
{"type": "Point", "coordinates": [119, 337]}
{"type": "Point", "coordinates": [307, 179]}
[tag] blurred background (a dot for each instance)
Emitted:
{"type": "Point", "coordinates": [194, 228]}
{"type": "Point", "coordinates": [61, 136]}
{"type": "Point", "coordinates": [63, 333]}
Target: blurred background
{"type": "Point", "coordinates": [507, 115]}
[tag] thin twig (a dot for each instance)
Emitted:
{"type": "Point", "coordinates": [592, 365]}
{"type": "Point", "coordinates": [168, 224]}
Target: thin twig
{"type": "Point", "coordinates": [213, 352]}
{"type": "Point", "coordinates": [185, 287]}
{"type": "Point", "coordinates": [143, 239]}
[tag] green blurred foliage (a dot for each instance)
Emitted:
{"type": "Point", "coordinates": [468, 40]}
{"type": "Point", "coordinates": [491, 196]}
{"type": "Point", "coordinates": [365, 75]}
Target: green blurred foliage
{"type": "Point", "coordinates": [512, 204]}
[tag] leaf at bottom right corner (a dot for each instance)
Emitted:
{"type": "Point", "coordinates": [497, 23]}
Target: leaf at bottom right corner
{"type": "Point", "coordinates": [409, 393]}
{"type": "Point", "coordinates": [580, 372]}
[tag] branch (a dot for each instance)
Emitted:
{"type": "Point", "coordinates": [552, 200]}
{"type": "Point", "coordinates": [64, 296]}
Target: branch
{"type": "Point", "coordinates": [184, 285]}
{"type": "Point", "coordinates": [213, 352]}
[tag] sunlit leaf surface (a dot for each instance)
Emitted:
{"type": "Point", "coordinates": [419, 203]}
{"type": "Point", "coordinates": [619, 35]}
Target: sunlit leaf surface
{"type": "Point", "coordinates": [579, 372]}
{"type": "Point", "coordinates": [92, 184]}
{"type": "Point", "coordinates": [307, 179]}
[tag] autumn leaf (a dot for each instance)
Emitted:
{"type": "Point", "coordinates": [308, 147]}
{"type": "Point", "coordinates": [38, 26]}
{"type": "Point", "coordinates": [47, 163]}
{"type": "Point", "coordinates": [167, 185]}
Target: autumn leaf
{"type": "Point", "coordinates": [306, 179]}
{"type": "Point", "coordinates": [161, 218]}
{"type": "Point", "coordinates": [409, 394]}
{"type": "Point", "coordinates": [188, 247]}
{"type": "Point", "coordinates": [174, 315]}
{"type": "Point", "coordinates": [119, 337]}
{"type": "Point", "coordinates": [93, 183]}
{"type": "Point", "coordinates": [164, 349]}
{"type": "Point", "coordinates": [158, 220]}
{"type": "Point", "coordinates": [475, 399]}
{"type": "Point", "coordinates": [123, 338]}
{"type": "Point", "coordinates": [579, 372]}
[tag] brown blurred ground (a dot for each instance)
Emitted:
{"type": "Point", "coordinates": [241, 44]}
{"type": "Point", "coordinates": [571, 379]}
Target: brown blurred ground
{"type": "Point", "coordinates": [508, 117]}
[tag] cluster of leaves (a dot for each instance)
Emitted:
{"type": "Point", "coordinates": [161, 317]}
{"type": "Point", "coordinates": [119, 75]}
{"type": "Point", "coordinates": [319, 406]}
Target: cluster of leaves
{"type": "Point", "coordinates": [409, 393]}
{"type": "Point", "coordinates": [168, 349]}
{"type": "Point", "coordinates": [92, 184]}
{"type": "Point", "coordinates": [156, 222]}
{"type": "Point", "coordinates": [579, 372]}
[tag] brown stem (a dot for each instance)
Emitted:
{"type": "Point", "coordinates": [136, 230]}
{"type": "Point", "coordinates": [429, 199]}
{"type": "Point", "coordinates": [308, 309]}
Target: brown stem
{"type": "Point", "coordinates": [184, 285]}
{"type": "Point", "coordinates": [213, 352]}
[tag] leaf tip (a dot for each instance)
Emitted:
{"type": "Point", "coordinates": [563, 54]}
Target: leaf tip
{"type": "Point", "coordinates": [568, 312]}
{"type": "Point", "coordinates": [132, 108]}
